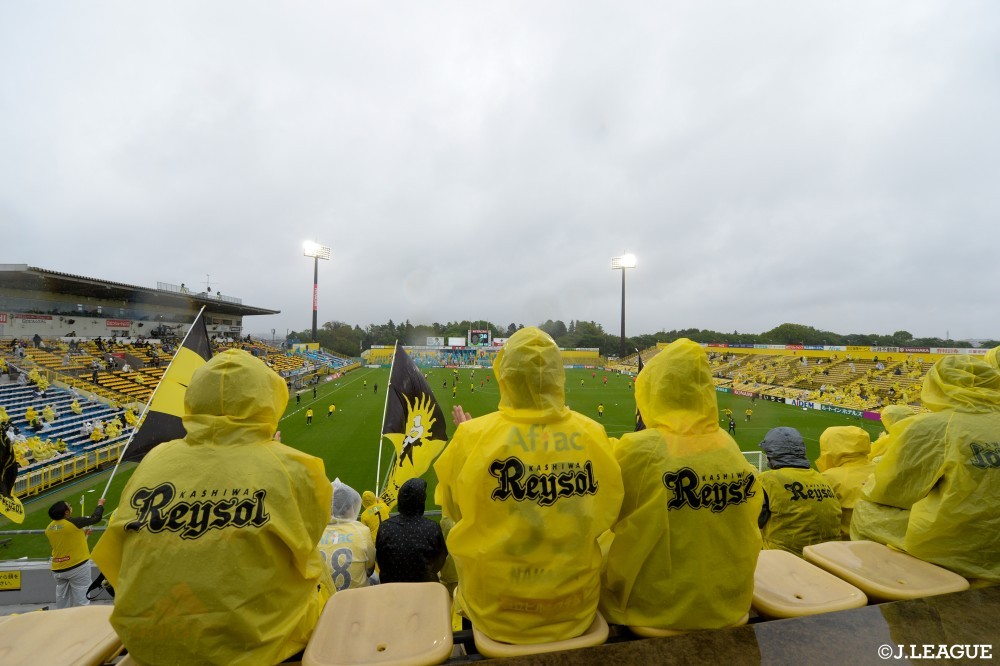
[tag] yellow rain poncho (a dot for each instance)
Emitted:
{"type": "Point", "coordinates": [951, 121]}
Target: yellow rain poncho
{"type": "Point", "coordinates": [686, 541]}
{"type": "Point", "coordinates": [213, 549]}
{"type": "Point", "coordinates": [800, 507]}
{"type": "Point", "coordinates": [843, 462]}
{"type": "Point", "coordinates": [891, 415]}
{"type": "Point", "coordinates": [530, 488]}
{"type": "Point", "coordinates": [936, 492]}
{"type": "Point", "coordinates": [992, 357]}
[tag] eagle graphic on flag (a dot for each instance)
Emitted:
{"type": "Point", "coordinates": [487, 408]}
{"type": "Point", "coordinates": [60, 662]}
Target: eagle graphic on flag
{"type": "Point", "coordinates": [414, 423]}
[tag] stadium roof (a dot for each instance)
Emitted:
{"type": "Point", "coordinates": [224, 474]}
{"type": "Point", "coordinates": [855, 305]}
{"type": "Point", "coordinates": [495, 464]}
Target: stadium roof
{"type": "Point", "coordinates": [30, 278]}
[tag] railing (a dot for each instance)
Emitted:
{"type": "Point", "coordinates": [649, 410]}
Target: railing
{"type": "Point", "coordinates": [176, 289]}
{"type": "Point", "coordinates": [35, 481]}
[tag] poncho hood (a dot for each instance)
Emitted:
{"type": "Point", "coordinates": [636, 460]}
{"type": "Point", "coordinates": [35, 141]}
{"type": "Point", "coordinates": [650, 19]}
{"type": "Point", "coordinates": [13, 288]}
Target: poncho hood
{"type": "Point", "coordinates": [529, 371]}
{"type": "Point", "coordinates": [843, 445]}
{"type": "Point", "coordinates": [963, 383]}
{"type": "Point", "coordinates": [785, 448]}
{"type": "Point", "coordinates": [674, 391]}
{"type": "Point", "coordinates": [232, 400]}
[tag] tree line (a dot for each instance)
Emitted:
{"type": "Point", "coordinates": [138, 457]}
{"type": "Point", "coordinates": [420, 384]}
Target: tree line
{"type": "Point", "coordinates": [352, 340]}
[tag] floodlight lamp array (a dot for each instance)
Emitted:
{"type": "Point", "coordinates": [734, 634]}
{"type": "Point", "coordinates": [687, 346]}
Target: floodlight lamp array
{"type": "Point", "coordinates": [622, 262]}
{"type": "Point", "coordinates": [311, 249]}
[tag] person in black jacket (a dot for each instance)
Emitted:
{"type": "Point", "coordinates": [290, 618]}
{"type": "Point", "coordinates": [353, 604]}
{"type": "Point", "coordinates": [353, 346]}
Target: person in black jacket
{"type": "Point", "coordinates": [410, 548]}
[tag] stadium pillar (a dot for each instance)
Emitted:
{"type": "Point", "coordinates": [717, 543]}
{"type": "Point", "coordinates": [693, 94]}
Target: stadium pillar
{"type": "Point", "coordinates": [621, 264]}
{"type": "Point", "coordinates": [317, 252]}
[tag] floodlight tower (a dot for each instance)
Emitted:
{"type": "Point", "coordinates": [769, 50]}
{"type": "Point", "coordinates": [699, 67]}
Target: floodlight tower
{"type": "Point", "coordinates": [623, 263]}
{"type": "Point", "coordinates": [317, 252]}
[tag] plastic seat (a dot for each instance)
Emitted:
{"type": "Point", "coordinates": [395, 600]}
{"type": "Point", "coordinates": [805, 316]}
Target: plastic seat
{"type": "Point", "coordinates": [653, 632]}
{"type": "Point", "coordinates": [595, 635]}
{"type": "Point", "coordinates": [882, 573]}
{"type": "Point", "coordinates": [81, 636]}
{"type": "Point", "coordinates": [400, 624]}
{"type": "Point", "coordinates": [785, 585]}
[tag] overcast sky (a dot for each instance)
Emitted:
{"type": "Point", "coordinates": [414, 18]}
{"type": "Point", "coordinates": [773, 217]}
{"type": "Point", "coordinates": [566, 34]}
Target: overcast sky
{"type": "Point", "coordinates": [835, 164]}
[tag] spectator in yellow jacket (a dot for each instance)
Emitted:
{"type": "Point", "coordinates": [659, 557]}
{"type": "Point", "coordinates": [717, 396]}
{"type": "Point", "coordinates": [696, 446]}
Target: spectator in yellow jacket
{"type": "Point", "coordinates": [843, 462]}
{"type": "Point", "coordinates": [213, 550]}
{"type": "Point", "coordinates": [686, 541]}
{"type": "Point", "coordinates": [530, 487]}
{"type": "Point", "coordinates": [800, 507]}
{"type": "Point", "coordinates": [935, 492]}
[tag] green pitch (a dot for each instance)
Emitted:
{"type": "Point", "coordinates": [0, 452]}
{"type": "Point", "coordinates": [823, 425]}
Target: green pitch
{"type": "Point", "coordinates": [348, 440]}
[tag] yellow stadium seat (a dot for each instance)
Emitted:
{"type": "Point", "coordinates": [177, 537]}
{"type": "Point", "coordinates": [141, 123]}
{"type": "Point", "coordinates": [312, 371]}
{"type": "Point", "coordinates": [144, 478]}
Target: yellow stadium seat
{"type": "Point", "coordinates": [882, 573]}
{"type": "Point", "coordinates": [785, 586]}
{"type": "Point", "coordinates": [81, 636]}
{"type": "Point", "coordinates": [595, 635]}
{"type": "Point", "coordinates": [403, 624]}
{"type": "Point", "coordinates": [653, 632]}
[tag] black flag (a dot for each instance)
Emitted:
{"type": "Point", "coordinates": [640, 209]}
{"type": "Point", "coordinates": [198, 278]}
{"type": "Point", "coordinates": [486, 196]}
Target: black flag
{"type": "Point", "coordinates": [413, 422]}
{"type": "Point", "coordinates": [639, 425]}
{"type": "Point", "coordinates": [162, 422]}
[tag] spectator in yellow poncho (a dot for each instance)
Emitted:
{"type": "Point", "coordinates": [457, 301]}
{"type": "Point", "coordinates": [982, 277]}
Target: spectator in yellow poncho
{"type": "Point", "coordinates": [31, 416]}
{"type": "Point", "coordinates": [686, 541]}
{"type": "Point", "coordinates": [891, 415]}
{"type": "Point", "coordinates": [530, 487]}
{"type": "Point", "coordinates": [800, 508]}
{"type": "Point", "coordinates": [243, 587]}
{"type": "Point", "coordinates": [112, 429]}
{"type": "Point", "coordinates": [97, 434]}
{"type": "Point", "coordinates": [49, 414]}
{"type": "Point", "coordinates": [843, 462]}
{"type": "Point", "coordinates": [3, 416]}
{"type": "Point", "coordinates": [75, 407]}
{"type": "Point", "coordinates": [935, 492]}
{"type": "Point", "coordinates": [130, 417]}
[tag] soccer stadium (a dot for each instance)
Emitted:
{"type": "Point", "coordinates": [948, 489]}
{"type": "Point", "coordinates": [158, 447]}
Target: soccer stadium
{"type": "Point", "coordinates": [95, 375]}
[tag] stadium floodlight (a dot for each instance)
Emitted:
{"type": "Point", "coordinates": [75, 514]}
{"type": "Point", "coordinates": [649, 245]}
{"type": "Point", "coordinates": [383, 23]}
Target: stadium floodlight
{"type": "Point", "coordinates": [622, 263]}
{"type": "Point", "coordinates": [317, 252]}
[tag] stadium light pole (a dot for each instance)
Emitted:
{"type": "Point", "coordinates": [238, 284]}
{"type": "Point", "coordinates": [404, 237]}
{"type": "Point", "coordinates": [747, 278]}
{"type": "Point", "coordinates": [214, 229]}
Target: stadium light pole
{"type": "Point", "coordinates": [623, 263]}
{"type": "Point", "coordinates": [317, 252]}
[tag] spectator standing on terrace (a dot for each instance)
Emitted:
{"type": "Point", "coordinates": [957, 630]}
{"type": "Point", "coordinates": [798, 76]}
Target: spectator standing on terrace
{"type": "Point", "coordinates": [530, 487]}
{"type": "Point", "coordinates": [248, 588]}
{"type": "Point", "coordinates": [410, 548]}
{"type": "Point", "coordinates": [800, 508]}
{"type": "Point", "coordinates": [935, 491]}
{"type": "Point", "coordinates": [70, 552]}
{"type": "Point", "coordinates": [686, 541]}
{"type": "Point", "coordinates": [843, 462]}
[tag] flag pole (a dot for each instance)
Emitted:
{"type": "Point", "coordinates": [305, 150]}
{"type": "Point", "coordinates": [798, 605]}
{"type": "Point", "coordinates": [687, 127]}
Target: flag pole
{"type": "Point", "coordinates": [385, 407]}
{"type": "Point", "coordinates": [145, 409]}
